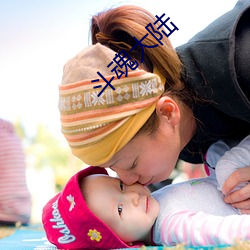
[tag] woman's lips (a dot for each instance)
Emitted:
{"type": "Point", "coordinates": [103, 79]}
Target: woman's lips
{"type": "Point", "coordinates": [148, 183]}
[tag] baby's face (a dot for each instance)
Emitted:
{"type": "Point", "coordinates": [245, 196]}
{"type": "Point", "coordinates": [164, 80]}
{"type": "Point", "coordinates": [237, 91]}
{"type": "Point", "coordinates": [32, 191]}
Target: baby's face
{"type": "Point", "coordinates": [130, 211]}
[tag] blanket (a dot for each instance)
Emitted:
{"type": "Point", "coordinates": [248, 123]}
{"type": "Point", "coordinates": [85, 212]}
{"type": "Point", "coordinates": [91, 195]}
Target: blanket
{"type": "Point", "coordinates": [33, 238]}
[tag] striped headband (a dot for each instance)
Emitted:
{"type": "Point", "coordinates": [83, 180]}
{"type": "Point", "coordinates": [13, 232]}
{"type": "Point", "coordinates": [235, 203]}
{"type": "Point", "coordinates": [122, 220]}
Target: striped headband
{"type": "Point", "coordinates": [96, 127]}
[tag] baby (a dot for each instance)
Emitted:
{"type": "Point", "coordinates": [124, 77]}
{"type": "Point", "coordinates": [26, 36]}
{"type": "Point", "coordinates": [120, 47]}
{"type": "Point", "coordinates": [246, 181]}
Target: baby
{"type": "Point", "coordinates": [96, 211]}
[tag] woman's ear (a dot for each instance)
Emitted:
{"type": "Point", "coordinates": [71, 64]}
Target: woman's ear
{"type": "Point", "coordinates": [168, 110]}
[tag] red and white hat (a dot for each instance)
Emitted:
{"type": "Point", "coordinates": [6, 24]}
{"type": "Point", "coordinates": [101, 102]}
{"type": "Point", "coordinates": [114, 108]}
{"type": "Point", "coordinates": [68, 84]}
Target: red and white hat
{"type": "Point", "coordinates": [69, 223]}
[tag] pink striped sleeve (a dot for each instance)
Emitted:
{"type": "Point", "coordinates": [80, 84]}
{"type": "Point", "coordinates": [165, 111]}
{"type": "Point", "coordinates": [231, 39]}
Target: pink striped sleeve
{"type": "Point", "coordinates": [201, 229]}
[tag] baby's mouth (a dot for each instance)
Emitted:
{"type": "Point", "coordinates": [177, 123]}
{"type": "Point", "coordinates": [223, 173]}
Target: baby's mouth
{"type": "Point", "coordinates": [147, 203]}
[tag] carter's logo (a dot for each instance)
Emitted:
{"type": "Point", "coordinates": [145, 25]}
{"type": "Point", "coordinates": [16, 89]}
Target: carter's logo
{"type": "Point", "coordinates": [67, 237]}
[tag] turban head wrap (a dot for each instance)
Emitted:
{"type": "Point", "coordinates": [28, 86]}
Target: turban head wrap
{"type": "Point", "coordinates": [96, 127]}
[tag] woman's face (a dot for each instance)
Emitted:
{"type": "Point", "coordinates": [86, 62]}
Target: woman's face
{"type": "Point", "coordinates": [147, 159]}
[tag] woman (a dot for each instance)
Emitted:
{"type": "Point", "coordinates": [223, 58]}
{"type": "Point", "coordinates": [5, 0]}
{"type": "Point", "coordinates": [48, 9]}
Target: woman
{"type": "Point", "coordinates": [138, 125]}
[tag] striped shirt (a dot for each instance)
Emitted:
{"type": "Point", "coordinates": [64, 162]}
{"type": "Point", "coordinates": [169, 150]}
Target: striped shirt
{"type": "Point", "coordinates": [15, 200]}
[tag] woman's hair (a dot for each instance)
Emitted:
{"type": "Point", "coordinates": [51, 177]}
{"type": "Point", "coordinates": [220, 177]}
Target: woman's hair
{"type": "Point", "coordinates": [115, 28]}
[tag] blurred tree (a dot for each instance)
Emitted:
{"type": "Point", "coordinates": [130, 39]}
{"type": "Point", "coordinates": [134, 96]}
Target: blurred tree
{"type": "Point", "coordinates": [45, 150]}
{"type": "Point", "coordinates": [20, 130]}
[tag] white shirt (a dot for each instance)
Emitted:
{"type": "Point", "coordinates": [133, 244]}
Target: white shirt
{"type": "Point", "coordinates": [194, 212]}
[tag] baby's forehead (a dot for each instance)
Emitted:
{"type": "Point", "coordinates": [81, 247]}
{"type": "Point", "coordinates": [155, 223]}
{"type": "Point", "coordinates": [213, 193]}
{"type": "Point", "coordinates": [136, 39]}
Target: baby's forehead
{"type": "Point", "coordinates": [98, 177]}
{"type": "Point", "coordinates": [95, 176]}
{"type": "Point", "coordinates": [99, 183]}
{"type": "Point", "coordinates": [92, 183]}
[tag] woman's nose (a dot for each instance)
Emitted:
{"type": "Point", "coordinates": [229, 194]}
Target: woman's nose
{"type": "Point", "coordinates": [126, 177]}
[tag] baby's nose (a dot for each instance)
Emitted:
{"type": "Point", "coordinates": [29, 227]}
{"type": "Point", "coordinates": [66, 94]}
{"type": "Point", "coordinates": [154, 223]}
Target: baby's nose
{"type": "Point", "coordinates": [133, 197]}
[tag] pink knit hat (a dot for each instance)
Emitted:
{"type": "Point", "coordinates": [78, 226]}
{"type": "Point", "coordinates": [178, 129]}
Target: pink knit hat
{"type": "Point", "coordinates": [69, 223]}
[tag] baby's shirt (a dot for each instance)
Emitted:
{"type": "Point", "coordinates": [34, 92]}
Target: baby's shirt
{"type": "Point", "coordinates": [194, 212]}
{"type": "Point", "coordinates": [235, 157]}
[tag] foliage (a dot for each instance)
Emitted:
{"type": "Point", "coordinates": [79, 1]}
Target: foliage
{"type": "Point", "coordinates": [45, 150]}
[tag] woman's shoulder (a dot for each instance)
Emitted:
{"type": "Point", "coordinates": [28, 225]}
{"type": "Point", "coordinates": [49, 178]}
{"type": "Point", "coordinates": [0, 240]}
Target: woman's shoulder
{"type": "Point", "coordinates": [209, 65]}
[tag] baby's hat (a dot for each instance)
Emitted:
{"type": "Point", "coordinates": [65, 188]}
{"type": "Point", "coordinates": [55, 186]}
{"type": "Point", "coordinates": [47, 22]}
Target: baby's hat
{"type": "Point", "coordinates": [69, 223]}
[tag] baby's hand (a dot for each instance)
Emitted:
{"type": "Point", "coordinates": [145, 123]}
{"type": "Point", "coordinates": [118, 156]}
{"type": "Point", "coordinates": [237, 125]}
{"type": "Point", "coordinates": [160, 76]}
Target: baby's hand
{"type": "Point", "coordinates": [240, 198]}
